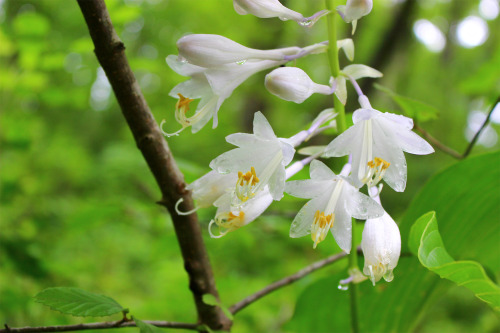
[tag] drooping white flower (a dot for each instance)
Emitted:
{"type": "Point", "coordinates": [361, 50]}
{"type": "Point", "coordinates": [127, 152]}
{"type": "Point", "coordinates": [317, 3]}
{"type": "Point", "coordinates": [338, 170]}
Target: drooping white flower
{"type": "Point", "coordinates": [354, 10]}
{"type": "Point", "coordinates": [334, 202]}
{"type": "Point", "coordinates": [207, 51]}
{"type": "Point", "coordinates": [273, 8]}
{"type": "Point", "coordinates": [260, 160]}
{"type": "Point", "coordinates": [210, 187]}
{"type": "Point", "coordinates": [293, 84]}
{"type": "Point", "coordinates": [377, 141]}
{"type": "Point", "coordinates": [381, 245]}
{"type": "Point", "coordinates": [211, 85]}
{"type": "Point", "coordinates": [229, 218]}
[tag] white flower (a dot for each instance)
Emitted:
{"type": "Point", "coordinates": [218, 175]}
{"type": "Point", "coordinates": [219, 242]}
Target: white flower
{"type": "Point", "coordinates": [211, 85]}
{"type": "Point", "coordinates": [213, 50]}
{"type": "Point", "coordinates": [381, 244]}
{"type": "Point", "coordinates": [260, 160]}
{"type": "Point", "coordinates": [334, 202]}
{"type": "Point", "coordinates": [293, 84]}
{"type": "Point", "coordinates": [377, 141]}
{"type": "Point", "coordinates": [210, 187]}
{"type": "Point", "coordinates": [273, 8]}
{"type": "Point", "coordinates": [229, 218]}
{"type": "Point", "coordinates": [354, 10]}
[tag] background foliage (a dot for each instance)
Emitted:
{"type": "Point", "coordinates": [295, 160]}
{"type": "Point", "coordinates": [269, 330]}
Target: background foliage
{"type": "Point", "coordinates": [77, 200]}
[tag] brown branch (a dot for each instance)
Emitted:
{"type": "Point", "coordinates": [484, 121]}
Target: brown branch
{"type": "Point", "coordinates": [437, 144]}
{"type": "Point", "coordinates": [96, 326]}
{"type": "Point", "coordinates": [285, 281]}
{"type": "Point", "coordinates": [476, 136]}
{"type": "Point", "coordinates": [110, 52]}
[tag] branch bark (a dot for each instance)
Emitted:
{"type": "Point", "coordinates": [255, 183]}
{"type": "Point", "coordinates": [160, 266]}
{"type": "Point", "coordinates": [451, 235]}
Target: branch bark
{"type": "Point", "coordinates": [110, 52]}
{"type": "Point", "coordinates": [97, 326]}
{"type": "Point", "coordinates": [285, 281]}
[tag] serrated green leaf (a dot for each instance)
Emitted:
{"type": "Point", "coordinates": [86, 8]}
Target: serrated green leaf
{"type": "Point", "coordinates": [411, 107]}
{"type": "Point", "coordinates": [432, 254]}
{"type": "Point", "coordinates": [146, 328]}
{"type": "Point", "coordinates": [210, 299]}
{"type": "Point", "coordinates": [78, 302]}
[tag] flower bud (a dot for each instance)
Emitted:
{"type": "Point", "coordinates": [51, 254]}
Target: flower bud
{"type": "Point", "coordinates": [381, 245]}
{"type": "Point", "coordinates": [293, 84]}
{"type": "Point", "coordinates": [266, 9]}
{"type": "Point", "coordinates": [355, 9]}
{"type": "Point", "coordinates": [207, 51]}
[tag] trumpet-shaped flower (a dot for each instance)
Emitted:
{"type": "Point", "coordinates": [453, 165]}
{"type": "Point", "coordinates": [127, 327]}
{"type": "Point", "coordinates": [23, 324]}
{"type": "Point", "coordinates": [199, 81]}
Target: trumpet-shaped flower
{"type": "Point", "coordinates": [334, 202]}
{"type": "Point", "coordinates": [273, 8]}
{"type": "Point", "coordinates": [354, 10]}
{"type": "Point", "coordinates": [377, 141]}
{"type": "Point", "coordinates": [293, 84]}
{"type": "Point", "coordinates": [211, 85]}
{"type": "Point", "coordinates": [260, 160]}
{"type": "Point", "coordinates": [381, 245]}
{"type": "Point", "coordinates": [210, 187]}
{"type": "Point", "coordinates": [229, 218]}
{"type": "Point", "coordinates": [214, 50]}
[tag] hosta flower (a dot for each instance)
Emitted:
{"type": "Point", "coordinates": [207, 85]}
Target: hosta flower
{"type": "Point", "coordinates": [377, 141]}
{"type": "Point", "coordinates": [293, 84]}
{"type": "Point", "coordinates": [354, 10]}
{"type": "Point", "coordinates": [229, 218]}
{"type": "Point", "coordinates": [211, 85]}
{"type": "Point", "coordinates": [213, 50]}
{"type": "Point", "coordinates": [210, 187]}
{"type": "Point", "coordinates": [259, 161]}
{"type": "Point", "coordinates": [273, 8]}
{"type": "Point", "coordinates": [381, 245]}
{"type": "Point", "coordinates": [334, 202]}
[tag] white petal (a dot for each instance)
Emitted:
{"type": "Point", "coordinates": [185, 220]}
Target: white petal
{"type": "Point", "coordinates": [261, 127]}
{"type": "Point", "coordinates": [364, 114]}
{"type": "Point", "coordinates": [400, 120]}
{"type": "Point", "coordinates": [206, 109]}
{"type": "Point", "coordinates": [208, 188]}
{"type": "Point", "coordinates": [342, 226]}
{"type": "Point", "coordinates": [289, 83]}
{"type": "Point", "coordinates": [193, 88]}
{"type": "Point", "coordinates": [254, 207]}
{"type": "Point", "coordinates": [182, 67]}
{"type": "Point", "coordinates": [319, 171]}
{"type": "Point", "coordinates": [287, 150]}
{"type": "Point", "coordinates": [359, 71]}
{"type": "Point", "coordinates": [344, 143]}
{"type": "Point", "coordinates": [266, 9]}
{"type": "Point", "coordinates": [277, 183]}
{"type": "Point", "coordinates": [359, 205]}
{"type": "Point", "coordinates": [406, 139]}
{"type": "Point", "coordinates": [243, 139]}
{"type": "Point", "coordinates": [235, 160]}
{"type": "Point", "coordinates": [306, 189]}
{"type": "Point", "coordinates": [301, 224]}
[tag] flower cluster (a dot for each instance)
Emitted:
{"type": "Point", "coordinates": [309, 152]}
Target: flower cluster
{"type": "Point", "coordinates": [245, 181]}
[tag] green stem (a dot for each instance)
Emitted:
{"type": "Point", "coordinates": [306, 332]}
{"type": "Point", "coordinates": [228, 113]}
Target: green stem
{"type": "Point", "coordinates": [334, 61]}
{"type": "Point", "coordinates": [353, 288]}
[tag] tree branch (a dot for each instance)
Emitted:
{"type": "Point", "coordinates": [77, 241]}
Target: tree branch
{"type": "Point", "coordinates": [285, 281]}
{"type": "Point", "coordinates": [97, 326]}
{"type": "Point", "coordinates": [109, 50]}
{"type": "Point", "coordinates": [476, 136]}
{"type": "Point", "coordinates": [437, 144]}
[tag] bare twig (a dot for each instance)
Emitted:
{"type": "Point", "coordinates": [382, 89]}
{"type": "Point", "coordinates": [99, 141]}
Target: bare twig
{"type": "Point", "coordinates": [437, 144]}
{"type": "Point", "coordinates": [476, 136]}
{"type": "Point", "coordinates": [285, 281]}
{"type": "Point", "coordinates": [110, 52]}
{"type": "Point", "coordinates": [97, 326]}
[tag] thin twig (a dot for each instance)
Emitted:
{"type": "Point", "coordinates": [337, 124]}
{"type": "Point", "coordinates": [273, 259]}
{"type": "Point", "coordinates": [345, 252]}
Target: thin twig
{"type": "Point", "coordinates": [476, 136]}
{"type": "Point", "coordinates": [437, 144]}
{"type": "Point", "coordinates": [285, 281]}
{"type": "Point", "coordinates": [110, 53]}
{"type": "Point", "coordinates": [97, 326]}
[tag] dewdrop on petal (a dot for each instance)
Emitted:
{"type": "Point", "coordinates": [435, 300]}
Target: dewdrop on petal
{"type": "Point", "coordinates": [293, 84]}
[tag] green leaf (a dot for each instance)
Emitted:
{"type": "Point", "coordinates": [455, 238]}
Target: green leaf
{"type": "Point", "coordinates": [411, 107]}
{"type": "Point", "coordinates": [78, 302]}
{"type": "Point", "coordinates": [210, 299]}
{"type": "Point", "coordinates": [425, 237]}
{"type": "Point", "coordinates": [146, 328]}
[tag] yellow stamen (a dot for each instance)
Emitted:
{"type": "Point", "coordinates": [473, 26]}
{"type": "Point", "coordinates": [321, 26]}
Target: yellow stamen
{"type": "Point", "coordinates": [183, 103]}
{"type": "Point", "coordinates": [246, 184]}
{"type": "Point", "coordinates": [320, 226]}
{"type": "Point", "coordinates": [227, 222]}
{"type": "Point", "coordinates": [375, 172]}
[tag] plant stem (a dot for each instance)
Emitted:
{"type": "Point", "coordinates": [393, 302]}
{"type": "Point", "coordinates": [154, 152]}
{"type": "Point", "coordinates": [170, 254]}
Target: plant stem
{"type": "Point", "coordinates": [334, 61]}
{"type": "Point", "coordinates": [353, 288]}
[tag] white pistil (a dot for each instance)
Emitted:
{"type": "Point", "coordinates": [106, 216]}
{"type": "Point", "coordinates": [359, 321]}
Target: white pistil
{"type": "Point", "coordinates": [366, 151]}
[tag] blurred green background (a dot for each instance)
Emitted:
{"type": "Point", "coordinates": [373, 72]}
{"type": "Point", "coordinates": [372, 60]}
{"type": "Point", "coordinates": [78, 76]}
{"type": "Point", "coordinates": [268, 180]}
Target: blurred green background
{"type": "Point", "coordinates": [77, 201]}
